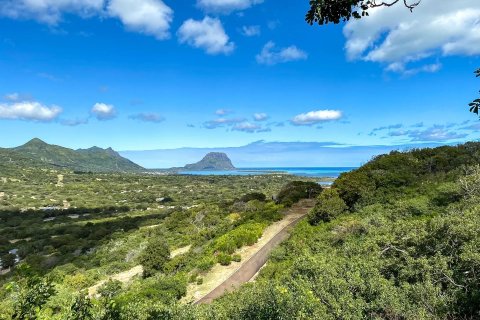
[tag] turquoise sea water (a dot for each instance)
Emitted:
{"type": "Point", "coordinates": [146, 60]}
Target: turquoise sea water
{"type": "Point", "coordinates": [320, 172]}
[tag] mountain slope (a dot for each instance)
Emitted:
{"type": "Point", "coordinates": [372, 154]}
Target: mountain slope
{"type": "Point", "coordinates": [37, 153]}
{"type": "Point", "coordinates": [212, 161]}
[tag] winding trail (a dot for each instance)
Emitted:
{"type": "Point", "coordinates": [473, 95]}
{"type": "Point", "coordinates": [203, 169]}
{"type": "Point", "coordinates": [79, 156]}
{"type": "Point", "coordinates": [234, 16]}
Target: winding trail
{"type": "Point", "coordinates": [249, 268]}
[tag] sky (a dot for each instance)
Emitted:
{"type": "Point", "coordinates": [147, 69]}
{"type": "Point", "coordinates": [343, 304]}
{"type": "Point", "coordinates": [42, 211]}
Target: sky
{"type": "Point", "coordinates": [163, 74]}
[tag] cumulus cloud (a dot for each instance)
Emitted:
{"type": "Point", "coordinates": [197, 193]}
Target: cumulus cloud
{"type": "Point", "coordinates": [29, 111]}
{"type": "Point", "coordinates": [315, 117]}
{"type": "Point", "coordinates": [49, 11]}
{"type": "Point", "coordinates": [104, 111]}
{"type": "Point", "coordinates": [152, 17]}
{"type": "Point", "coordinates": [148, 117]}
{"type": "Point", "coordinates": [251, 31]}
{"type": "Point", "coordinates": [396, 37]}
{"type": "Point", "coordinates": [226, 6]}
{"type": "Point", "coordinates": [207, 34]}
{"type": "Point", "coordinates": [260, 116]}
{"type": "Point", "coordinates": [270, 55]}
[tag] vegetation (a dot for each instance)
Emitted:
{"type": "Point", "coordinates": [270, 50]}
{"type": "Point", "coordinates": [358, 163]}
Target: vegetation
{"type": "Point", "coordinates": [475, 104]}
{"type": "Point", "coordinates": [296, 190]}
{"type": "Point", "coordinates": [212, 161]}
{"type": "Point", "coordinates": [154, 257]}
{"type": "Point", "coordinates": [335, 11]}
{"type": "Point", "coordinates": [94, 226]}
{"type": "Point", "coordinates": [40, 154]}
{"type": "Point", "coordinates": [395, 239]}
{"type": "Point", "coordinates": [328, 207]}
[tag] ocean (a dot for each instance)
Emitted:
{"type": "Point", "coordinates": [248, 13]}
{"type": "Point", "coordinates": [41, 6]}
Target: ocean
{"type": "Point", "coordinates": [318, 172]}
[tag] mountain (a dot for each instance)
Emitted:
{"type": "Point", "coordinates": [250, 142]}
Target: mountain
{"type": "Point", "coordinates": [212, 161]}
{"type": "Point", "coordinates": [37, 153]}
{"type": "Point", "coordinates": [264, 154]}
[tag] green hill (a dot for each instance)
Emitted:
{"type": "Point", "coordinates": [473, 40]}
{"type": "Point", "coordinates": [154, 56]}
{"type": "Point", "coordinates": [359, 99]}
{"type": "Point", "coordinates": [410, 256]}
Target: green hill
{"type": "Point", "coordinates": [37, 153]}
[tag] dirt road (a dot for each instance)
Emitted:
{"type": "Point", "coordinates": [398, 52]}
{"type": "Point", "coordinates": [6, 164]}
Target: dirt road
{"type": "Point", "coordinates": [251, 266]}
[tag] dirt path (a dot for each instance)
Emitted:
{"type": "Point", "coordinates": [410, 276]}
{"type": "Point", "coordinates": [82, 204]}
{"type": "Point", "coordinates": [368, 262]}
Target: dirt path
{"type": "Point", "coordinates": [254, 261]}
{"type": "Point", "coordinates": [128, 275]}
{"type": "Point", "coordinates": [122, 277]}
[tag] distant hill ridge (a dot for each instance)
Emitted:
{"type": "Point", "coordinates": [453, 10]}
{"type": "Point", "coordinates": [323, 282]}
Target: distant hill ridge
{"type": "Point", "coordinates": [212, 161]}
{"type": "Point", "coordinates": [37, 153]}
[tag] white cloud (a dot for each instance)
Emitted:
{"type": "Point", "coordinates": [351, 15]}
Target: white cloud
{"type": "Point", "coordinates": [270, 55]}
{"type": "Point", "coordinates": [48, 11]}
{"type": "Point", "coordinates": [434, 133]}
{"type": "Point", "coordinates": [226, 6]}
{"type": "Point", "coordinates": [395, 36]}
{"type": "Point", "coordinates": [29, 111]}
{"type": "Point", "coordinates": [314, 117]}
{"type": "Point", "coordinates": [207, 34]}
{"type": "Point", "coordinates": [251, 31]}
{"type": "Point", "coordinates": [260, 116]}
{"type": "Point", "coordinates": [104, 111]}
{"type": "Point", "coordinates": [401, 68]}
{"type": "Point", "coordinates": [247, 127]}
{"type": "Point", "coordinates": [152, 17]}
{"type": "Point", "coordinates": [222, 122]}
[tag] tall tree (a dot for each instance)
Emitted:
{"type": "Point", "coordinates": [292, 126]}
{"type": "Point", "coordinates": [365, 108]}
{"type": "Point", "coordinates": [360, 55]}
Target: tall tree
{"type": "Point", "coordinates": [328, 11]}
{"type": "Point", "coordinates": [475, 104]}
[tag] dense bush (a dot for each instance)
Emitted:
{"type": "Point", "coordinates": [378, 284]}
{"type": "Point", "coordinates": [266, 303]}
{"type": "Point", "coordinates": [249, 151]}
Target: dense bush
{"type": "Point", "coordinates": [224, 259]}
{"type": "Point", "coordinates": [253, 196]}
{"type": "Point", "coordinates": [387, 176]}
{"type": "Point", "coordinates": [246, 234]}
{"type": "Point", "coordinates": [294, 191]}
{"type": "Point", "coordinates": [154, 257]}
{"type": "Point", "coordinates": [329, 206]}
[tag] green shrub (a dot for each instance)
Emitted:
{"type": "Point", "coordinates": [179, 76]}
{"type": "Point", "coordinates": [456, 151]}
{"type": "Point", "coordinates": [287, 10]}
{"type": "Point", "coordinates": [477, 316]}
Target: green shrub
{"type": "Point", "coordinates": [297, 190]}
{"type": "Point", "coordinates": [205, 264]}
{"type": "Point", "coordinates": [246, 234]}
{"type": "Point", "coordinates": [329, 205]}
{"type": "Point", "coordinates": [193, 277]}
{"type": "Point", "coordinates": [199, 281]}
{"type": "Point", "coordinates": [224, 259]}
{"type": "Point", "coordinates": [236, 258]}
{"type": "Point", "coordinates": [253, 196]}
{"type": "Point", "coordinates": [154, 257]}
{"type": "Point", "coordinates": [110, 289]}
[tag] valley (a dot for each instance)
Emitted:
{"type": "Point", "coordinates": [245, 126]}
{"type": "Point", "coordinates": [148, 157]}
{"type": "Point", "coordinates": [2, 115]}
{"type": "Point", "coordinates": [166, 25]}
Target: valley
{"type": "Point", "coordinates": [193, 246]}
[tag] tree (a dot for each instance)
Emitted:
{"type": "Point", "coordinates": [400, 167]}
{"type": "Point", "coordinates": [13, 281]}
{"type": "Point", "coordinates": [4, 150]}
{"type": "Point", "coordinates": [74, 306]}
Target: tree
{"type": "Point", "coordinates": [475, 105]}
{"type": "Point", "coordinates": [33, 296]}
{"type": "Point", "coordinates": [329, 205]}
{"type": "Point", "coordinates": [295, 191]}
{"type": "Point", "coordinates": [335, 11]}
{"type": "Point", "coordinates": [110, 289]}
{"type": "Point", "coordinates": [81, 308]}
{"type": "Point", "coordinates": [154, 257]}
{"type": "Point", "coordinates": [8, 261]}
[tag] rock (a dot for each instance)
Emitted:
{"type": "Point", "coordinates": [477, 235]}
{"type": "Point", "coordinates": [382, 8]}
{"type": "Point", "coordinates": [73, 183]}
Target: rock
{"type": "Point", "coordinates": [212, 161]}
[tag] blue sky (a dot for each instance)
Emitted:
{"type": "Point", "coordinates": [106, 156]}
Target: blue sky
{"type": "Point", "coordinates": [152, 74]}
